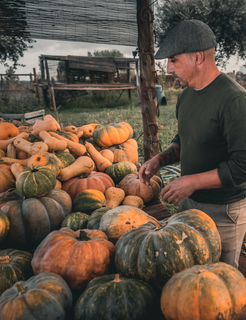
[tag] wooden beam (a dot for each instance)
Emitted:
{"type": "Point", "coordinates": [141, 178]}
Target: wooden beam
{"type": "Point", "coordinates": [94, 86]}
{"type": "Point", "coordinates": [36, 82]}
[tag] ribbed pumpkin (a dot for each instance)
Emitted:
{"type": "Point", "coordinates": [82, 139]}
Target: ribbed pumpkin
{"type": "Point", "coordinates": [15, 265]}
{"type": "Point", "coordinates": [35, 181]}
{"type": "Point", "coordinates": [11, 194]}
{"type": "Point", "coordinates": [4, 226]}
{"type": "Point", "coordinates": [159, 249]}
{"type": "Point", "coordinates": [111, 134]}
{"type": "Point", "coordinates": [66, 158]}
{"type": "Point", "coordinates": [75, 221]}
{"type": "Point", "coordinates": [95, 218]}
{"type": "Point", "coordinates": [131, 142]}
{"type": "Point", "coordinates": [88, 201]}
{"type": "Point", "coordinates": [32, 219]}
{"type": "Point", "coordinates": [115, 297]}
{"type": "Point", "coordinates": [45, 296]}
{"type": "Point", "coordinates": [46, 159]}
{"type": "Point", "coordinates": [6, 177]}
{"type": "Point", "coordinates": [8, 131]}
{"type": "Point", "coordinates": [77, 256]}
{"type": "Point", "coordinates": [124, 152]}
{"type": "Point", "coordinates": [128, 127]}
{"type": "Point", "coordinates": [116, 222]}
{"type": "Point", "coordinates": [68, 135]}
{"type": "Point", "coordinates": [213, 291]}
{"type": "Point", "coordinates": [133, 186]}
{"type": "Point", "coordinates": [119, 170]}
{"type": "Point", "coordinates": [95, 180]}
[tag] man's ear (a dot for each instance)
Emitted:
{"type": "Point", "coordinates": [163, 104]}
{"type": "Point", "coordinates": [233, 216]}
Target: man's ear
{"type": "Point", "coordinates": [199, 57]}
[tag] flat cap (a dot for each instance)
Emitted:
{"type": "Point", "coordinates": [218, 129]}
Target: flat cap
{"type": "Point", "coordinates": [187, 36]}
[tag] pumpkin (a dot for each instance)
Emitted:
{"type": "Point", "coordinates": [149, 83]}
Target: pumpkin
{"type": "Point", "coordinates": [2, 153]}
{"type": "Point", "coordinates": [108, 154]}
{"type": "Point", "coordinates": [10, 194]}
{"type": "Point", "coordinates": [124, 152]}
{"type": "Point", "coordinates": [35, 181]}
{"type": "Point", "coordinates": [8, 131]}
{"type": "Point", "coordinates": [212, 291]}
{"type": "Point", "coordinates": [111, 134]}
{"type": "Point", "coordinates": [66, 158]}
{"type": "Point", "coordinates": [4, 226]}
{"type": "Point", "coordinates": [6, 177]}
{"type": "Point", "coordinates": [87, 131]}
{"type": "Point", "coordinates": [94, 180]}
{"type": "Point", "coordinates": [131, 142]}
{"type": "Point", "coordinates": [72, 129]}
{"type": "Point", "coordinates": [119, 170]}
{"type": "Point", "coordinates": [101, 162]}
{"type": "Point", "coordinates": [128, 127]}
{"type": "Point", "coordinates": [77, 256]}
{"type": "Point", "coordinates": [15, 265]}
{"type": "Point", "coordinates": [68, 135]}
{"type": "Point", "coordinates": [75, 221]}
{"type": "Point", "coordinates": [116, 222]}
{"type": "Point", "coordinates": [132, 185]}
{"type": "Point", "coordinates": [88, 201]}
{"type": "Point", "coordinates": [45, 296]}
{"type": "Point", "coordinates": [46, 159]}
{"type": "Point", "coordinates": [32, 219]}
{"type": "Point", "coordinates": [53, 143]}
{"type": "Point", "coordinates": [95, 125]}
{"type": "Point", "coordinates": [95, 218]}
{"type": "Point", "coordinates": [114, 197]}
{"type": "Point", "coordinates": [159, 249]}
{"type": "Point", "coordinates": [115, 297]}
{"type": "Point", "coordinates": [133, 201]}
{"type": "Point", "coordinates": [33, 138]}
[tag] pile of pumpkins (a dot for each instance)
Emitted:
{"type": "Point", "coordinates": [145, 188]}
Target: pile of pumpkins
{"type": "Point", "coordinates": [76, 244]}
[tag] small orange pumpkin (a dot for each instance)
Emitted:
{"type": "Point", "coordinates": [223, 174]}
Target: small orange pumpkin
{"type": "Point", "coordinates": [46, 159]}
{"type": "Point", "coordinates": [7, 180]}
{"type": "Point", "coordinates": [8, 131]}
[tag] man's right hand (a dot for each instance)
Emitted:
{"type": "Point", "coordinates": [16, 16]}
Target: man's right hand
{"type": "Point", "coordinates": [148, 169]}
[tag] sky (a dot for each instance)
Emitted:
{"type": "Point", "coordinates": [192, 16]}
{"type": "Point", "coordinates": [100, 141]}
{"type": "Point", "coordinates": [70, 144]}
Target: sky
{"type": "Point", "coordinates": [52, 47]}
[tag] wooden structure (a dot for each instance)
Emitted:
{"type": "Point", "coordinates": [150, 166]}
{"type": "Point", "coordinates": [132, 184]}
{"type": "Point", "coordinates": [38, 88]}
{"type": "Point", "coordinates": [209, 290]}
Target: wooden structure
{"type": "Point", "coordinates": [29, 117]}
{"type": "Point", "coordinates": [85, 73]}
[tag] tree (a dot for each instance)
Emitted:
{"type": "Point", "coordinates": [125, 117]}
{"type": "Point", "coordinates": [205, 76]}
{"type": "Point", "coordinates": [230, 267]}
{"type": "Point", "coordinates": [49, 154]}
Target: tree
{"type": "Point", "coordinates": [12, 48]}
{"type": "Point", "coordinates": [227, 19]}
{"type": "Point", "coordinates": [106, 53]}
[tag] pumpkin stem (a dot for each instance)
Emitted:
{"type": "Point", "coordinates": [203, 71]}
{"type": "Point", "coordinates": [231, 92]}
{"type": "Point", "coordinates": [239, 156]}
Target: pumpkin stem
{"type": "Point", "coordinates": [5, 259]}
{"type": "Point", "coordinates": [155, 222]}
{"type": "Point", "coordinates": [83, 236]}
{"type": "Point", "coordinates": [117, 278]}
{"type": "Point", "coordinates": [21, 289]}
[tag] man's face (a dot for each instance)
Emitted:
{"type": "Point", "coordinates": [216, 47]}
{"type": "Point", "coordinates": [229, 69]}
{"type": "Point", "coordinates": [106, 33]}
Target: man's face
{"type": "Point", "coordinates": [182, 66]}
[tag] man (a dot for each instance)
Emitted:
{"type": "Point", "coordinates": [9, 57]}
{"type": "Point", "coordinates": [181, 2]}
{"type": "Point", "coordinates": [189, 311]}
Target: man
{"type": "Point", "coordinates": [211, 139]}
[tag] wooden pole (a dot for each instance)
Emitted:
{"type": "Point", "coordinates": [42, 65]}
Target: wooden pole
{"type": "Point", "coordinates": [147, 75]}
{"type": "Point", "coordinates": [129, 80]}
{"type": "Point", "coordinates": [44, 88]}
{"type": "Point", "coordinates": [51, 89]}
{"type": "Point", "coordinates": [36, 87]}
{"type": "Point", "coordinates": [31, 81]}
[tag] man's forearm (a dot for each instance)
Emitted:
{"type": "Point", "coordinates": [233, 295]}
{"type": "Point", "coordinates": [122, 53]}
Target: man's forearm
{"type": "Point", "coordinates": [170, 155]}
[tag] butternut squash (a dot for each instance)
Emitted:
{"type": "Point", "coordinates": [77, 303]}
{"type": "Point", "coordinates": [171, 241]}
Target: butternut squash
{"type": "Point", "coordinates": [53, 143]}
{"type": "Point", "coordinates": [45, 125]}
{"type": "Point", "coordinates": [11, 151]}
{"type": "Point", "coordinates": [4, 143]}
{"type": "Point", "coordinates": [29, 147]}
{"type": "Point", "coordinates": [16, 168]}
{"type": "Point", "coordinates": [10, 161]}
{"type": "Point", "coordinates": [75, 148]}
{"type": "Point", "coordinates": [87, 131]}
{"type": "Point", "coordinates": [2, 153]}
{"type": "Point", "coordinates": [82, 164]}
{"type": "Point", "coordinates": [80, 134]}
{"type": "Point", "coordinates": [133, 201]}
{"type": "Point", "coordinates": [101, 162]}
{"type": "Point", "coordinates": [108, 154]}
{"type": "Point", "coordinates": [114, 197]}
{"type": "Point", "coordinates": [72, 129]}
{"type": "Point", "coordinates": [20, 154]}
{"type": "Point", "coordinates": [50, 118]}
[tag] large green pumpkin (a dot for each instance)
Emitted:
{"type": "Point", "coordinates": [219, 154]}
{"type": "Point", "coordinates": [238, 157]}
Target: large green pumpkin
{"type": "Point", "coordinates": [95, 218]}
{"type": "Point", "coordinates": [4, 225]}
{"type": "Point", "coordinates": [212, 291]}
{"type": "Point", "coordinates": [116, 298]}
{"type": "Point", "coordinates": [88, 201]}
{"type": "Point", "coordinates": [45, 296]}
{"type": "Point", "coordinates": [35, 181]}
{"type": "Point", "coordinates": [75, 221]}
{"type": "Point", "coordinates": [158, 250]}
{"type": "Point", "coordinates": [66, 158]}
{"type": "Point", "coordinates": [15, 265]}
{"type": "Point", "coordinates": [119, 170]}
{"type": "Point", "coordinates": [32, 219]}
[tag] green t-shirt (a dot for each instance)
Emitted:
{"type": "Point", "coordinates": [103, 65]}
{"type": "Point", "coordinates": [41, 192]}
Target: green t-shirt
{"type": "Point", "coordinates": [212, 134]}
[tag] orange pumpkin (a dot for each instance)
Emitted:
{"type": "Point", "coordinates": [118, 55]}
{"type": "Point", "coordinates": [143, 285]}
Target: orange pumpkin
{"type": "Point", "coordinates": [77, 256]}
{"type": "Point", "coordinates": [8, 131]}
{"type": "Point", "coordinates": [111, 134]}
{"type": "Point", "coordinates": [7, 180]}
{"type": "Point", "coordinates": [46, 159]}
{"type": "Point", "coordinates": [95, 180]}
{"type": "Point", "coordinates": [124, 152]}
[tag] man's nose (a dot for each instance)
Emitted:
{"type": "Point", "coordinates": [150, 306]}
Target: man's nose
{"type": "Point", "coordinates": [169, 68]}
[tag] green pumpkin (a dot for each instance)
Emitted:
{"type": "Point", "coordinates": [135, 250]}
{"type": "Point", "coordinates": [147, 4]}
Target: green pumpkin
{"type": "Point", "coordinates": [35, 181]}
{"type": "Point", "coordinates": [75, 221]}
{"type": "Point", "coordinates": [15, 265]}
{"type": "Point", "coordinates": [95, 218]}
{"type": "Point", "coordinates": [45, 296]}
{"type": "Point", "coordinates": [66, 158]}
{"type": "Point", "coordinates": [116, 298]}
{"type": "Point", "coordinates": [119, 170]}
{"type": "Point", "coordinates": [4, 225]}
{"type": "Point", "coordinates": [88, 201]}
{"type": "Point", "coordinates": [33, 138]}
{"type": "Point", "coordinates": [157, 250]}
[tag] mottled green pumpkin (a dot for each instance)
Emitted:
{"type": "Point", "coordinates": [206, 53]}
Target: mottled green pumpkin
{"type": "Point", "coordinates": [45, 296]}
{"type": "Point", "coordinates": [32, 219]}
{"type": "Point", "coordinates": [116, 298]}
{"type": "Point", "coordinates": [15, 265]}
{"type": "Point", "coordinates": [88, 201]}
{"type": "Point", "coordinates": [66, 158]}
{"type": "Point", "coordinates": [119, 170]}
{"type": "Point", "coordinates": [35, 181]}
{"type": "Point", "coordinates": [212, 291]}
{"type": "Point", "coordinates": [33, 138]}
{"type": "Point", "coordinates": [4, 225]}
{"type": "Point", "coordinates": [75, 221]}
{"type": "Point", "coordinates": [95, 218]}
{"type": "Point", "coordinates": [159, 249]}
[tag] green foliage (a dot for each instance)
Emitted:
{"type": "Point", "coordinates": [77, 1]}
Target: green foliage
{"type": "Point", "coordinates": [227, 19]}
{"type": "Point", "coordinates": [106, 53]}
